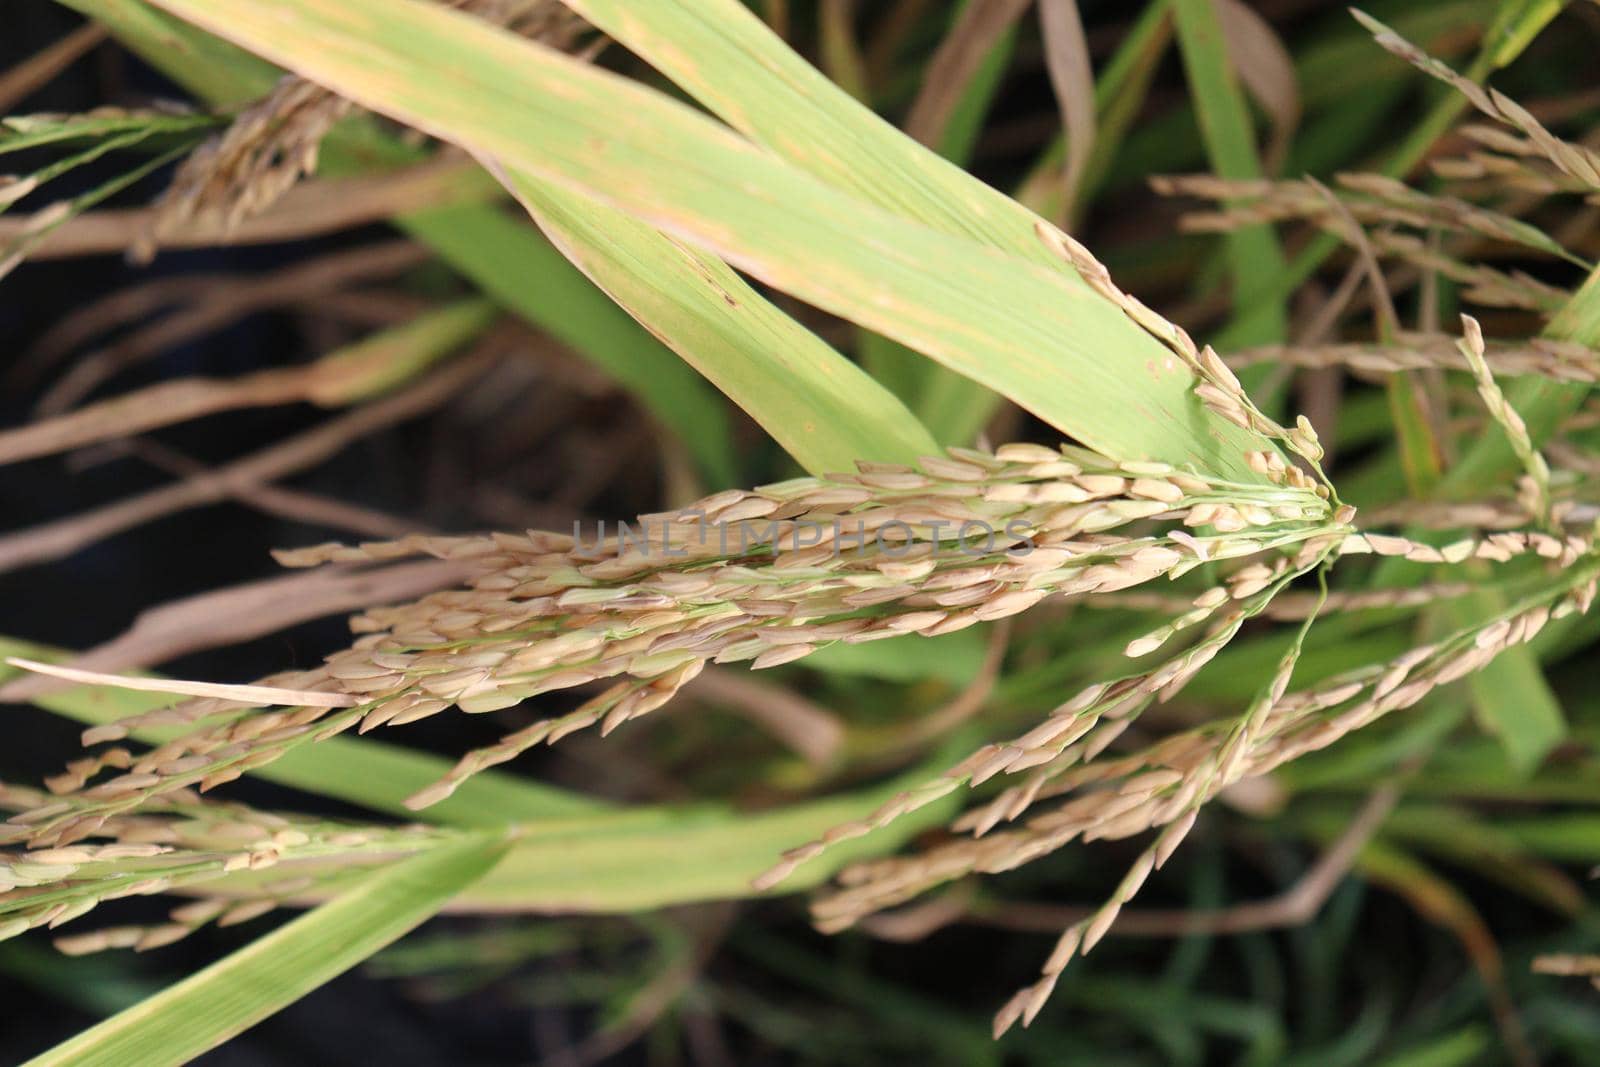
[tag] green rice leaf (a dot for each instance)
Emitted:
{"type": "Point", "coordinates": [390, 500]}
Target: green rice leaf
{"type": "Point", "coordinates": [953, 658]}
{"type": "Point", "coordinates": [726, 58]}
{"type": "Point", "coordinates": [658, 857]}
{"type": "Point", "coordinates": [1225, 126]}
{"type": "Point", "coordinates": [523, 273]}
{"type": "Point", "coordinates": [955, 409]}
{"type": "Point", "coordinates": [212, 69]}
{"type": "Point", "coordinates": [235, 993]}
{"type": "Point", "coordinates": [33, 131]}
{"type": "Point", "coordinates": [647, 857]}
{"type": "Point", "coordinates": [47, 220]}
{"type": "Point", "coordinates": [1510, 695]}
{"type": "Point", "coordinates": [824, 410]}
{"type": "Point", "coordinates": [1008, 321]}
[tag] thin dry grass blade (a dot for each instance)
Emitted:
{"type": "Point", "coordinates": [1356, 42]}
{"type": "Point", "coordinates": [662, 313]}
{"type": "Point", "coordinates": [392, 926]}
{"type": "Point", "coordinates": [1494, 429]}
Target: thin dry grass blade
{"type": "Point", "coordinates": [811, 731]}
{"type": "Point", "coordinates": [308, 210]}
{"type": "Point", "coordinates": [147, 409]}
{"type": "Point", "coordinates": [1559, 360]}
{"type": "Point", "coordinates": [35, 71]}
{"type": "Point", "coordinates": [295, 505]}
{"type": "Point", "coordinates": [227, 301]}
{"type": "Point", "coordinates": [245, 611]}
{"type": "Point", "coordinates": [53, 540]}
{"type": "Point", "coordinates": [253, 695]}
{"type": "Point", "coordinates": [956, 63]}
{"type": "Point", "coordinates": [1066, 55]}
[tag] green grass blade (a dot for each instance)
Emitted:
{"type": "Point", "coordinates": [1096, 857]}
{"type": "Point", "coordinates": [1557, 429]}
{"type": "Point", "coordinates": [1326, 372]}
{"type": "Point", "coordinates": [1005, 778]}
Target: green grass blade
{"type": "Point", "coordinates": [456, 233]}
{"type": "Point", "coordinates": [1051, 345]}
{"type": "Point", "coordinates": [646, 857]}
{"type": "Point", "coordinates": [726, 58]}
{"type": "Point", "coordinates": [214, 70]}
{"type": "Point", "coordinates": [1510, 695]}
{"type": "Point", "coordinates": [840, 51]}
{"type": "Point", "coordinates": [14, 252]}
{"type": "Point", "coordinates": [954, 409]}
{"type": "Point", "coordinates": [824, 410]}
{"type": "Point", "coordinates": [34, 131]}
{"type": "Point", "coordinates": [15, 189]}
{"type": "Point", "coordinates": [390, 358]}
{"type": "Point", "coordinates": [1122, 88]}
{"type": "Point", "coordinates": [233, 994]}
{"type": "Point", "coordinates": [524, 273]}
{"type": "Point", "coordinates": [962, 126]}
{"type": "Point", "coordinates": [951, 658]}
{"type": "Point", "coordinates": [661, 857]}
{"type": "Point", "coordinates": [719, 53]}
{"type": "Point", "coordinates": [1225, 126]}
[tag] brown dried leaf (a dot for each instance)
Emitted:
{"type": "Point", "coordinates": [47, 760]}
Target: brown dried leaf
{"type": "Point", "coordinates": [1066, 54]}
{"type": "Point", "coordinates": [1267, 71]}
{"type": "Point", "coordinates": [956, 63]}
